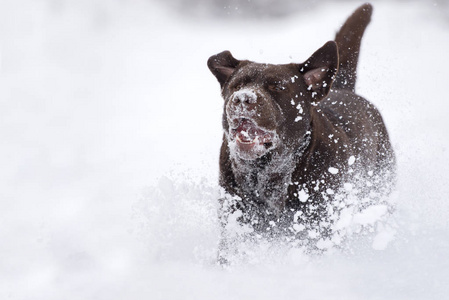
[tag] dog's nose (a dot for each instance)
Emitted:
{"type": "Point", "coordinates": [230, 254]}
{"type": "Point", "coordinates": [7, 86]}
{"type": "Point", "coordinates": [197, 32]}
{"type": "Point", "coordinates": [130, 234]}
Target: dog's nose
{"type": "Point", "coordinates": [245, 97]}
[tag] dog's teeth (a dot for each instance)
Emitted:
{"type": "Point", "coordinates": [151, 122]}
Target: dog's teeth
{"type": "Point", "coordinates": [242, 142]}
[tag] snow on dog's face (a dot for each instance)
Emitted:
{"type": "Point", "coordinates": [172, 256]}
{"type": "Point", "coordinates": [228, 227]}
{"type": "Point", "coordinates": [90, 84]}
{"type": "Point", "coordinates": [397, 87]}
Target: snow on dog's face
{"type": "Point", "coordinates": [267, 107]}
{"type": "Point", "coordinates": [251, 122]}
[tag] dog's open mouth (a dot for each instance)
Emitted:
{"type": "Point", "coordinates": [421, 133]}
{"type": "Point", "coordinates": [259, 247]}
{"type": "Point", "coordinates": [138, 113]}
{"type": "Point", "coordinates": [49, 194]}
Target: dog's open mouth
{"type": "Point", "coordinates": [249, 133]}
{"type": "Point", "coordinates": [251, 140]}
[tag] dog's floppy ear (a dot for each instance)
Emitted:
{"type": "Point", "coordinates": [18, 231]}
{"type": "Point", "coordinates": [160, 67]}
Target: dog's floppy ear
{"type": "Point", "coordinates": [222, 65]}
{"type": "Point", "coordinates": [320, 69]}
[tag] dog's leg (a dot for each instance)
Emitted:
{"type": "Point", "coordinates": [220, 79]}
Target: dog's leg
{"type": "Point", "coordinates": [226, 245]}
{"type": "Point", "coordinates": [223, 249]}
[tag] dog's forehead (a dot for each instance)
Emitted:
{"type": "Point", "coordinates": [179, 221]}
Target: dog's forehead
{"type": "Point", "coordinates": [258, 72]}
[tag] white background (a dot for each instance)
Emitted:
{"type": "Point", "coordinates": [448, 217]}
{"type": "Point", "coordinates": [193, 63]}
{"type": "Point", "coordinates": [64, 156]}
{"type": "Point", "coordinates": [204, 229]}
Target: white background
{"type": "Point", "coordinates": [109, 139]}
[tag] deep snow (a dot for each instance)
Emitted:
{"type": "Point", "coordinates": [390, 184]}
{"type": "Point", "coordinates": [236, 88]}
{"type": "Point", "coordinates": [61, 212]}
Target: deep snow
{"type": "Point", "coordinates": [109, 148]}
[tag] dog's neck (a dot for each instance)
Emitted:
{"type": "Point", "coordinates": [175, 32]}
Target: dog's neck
{"type": "Point", "coordinates": [266, 180]}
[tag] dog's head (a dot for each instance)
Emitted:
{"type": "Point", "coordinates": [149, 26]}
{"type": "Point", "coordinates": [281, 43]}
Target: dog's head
{"type": "Point", "coordinates": [267, 107]}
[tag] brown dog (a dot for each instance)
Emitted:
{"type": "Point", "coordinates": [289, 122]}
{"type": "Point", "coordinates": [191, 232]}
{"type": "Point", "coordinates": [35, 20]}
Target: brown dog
{"type": "Point", "coordinates": [297, 137]}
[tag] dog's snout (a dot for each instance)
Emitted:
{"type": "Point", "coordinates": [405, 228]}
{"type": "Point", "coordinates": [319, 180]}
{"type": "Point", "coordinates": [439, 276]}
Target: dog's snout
{"type": "Point", "coordinates": [245, 97]}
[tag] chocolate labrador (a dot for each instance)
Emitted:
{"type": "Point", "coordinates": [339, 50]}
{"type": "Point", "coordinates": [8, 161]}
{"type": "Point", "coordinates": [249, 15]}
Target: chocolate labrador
{"type": "Point", "coordinates": [297, 138]}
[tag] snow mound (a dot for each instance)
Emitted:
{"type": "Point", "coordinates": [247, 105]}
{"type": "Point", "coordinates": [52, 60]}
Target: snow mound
{"type": "Point", "coordinates": [177, 219]}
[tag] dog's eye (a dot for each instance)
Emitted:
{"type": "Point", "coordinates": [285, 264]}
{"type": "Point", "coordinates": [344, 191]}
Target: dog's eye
{"type": "Point", "coordinates": [277, 87]}
{"type": "Point", "coordinates": [238, 86]}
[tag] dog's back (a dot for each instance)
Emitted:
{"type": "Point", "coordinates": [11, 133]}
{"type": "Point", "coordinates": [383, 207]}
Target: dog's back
{"type": "Point", "coordinates": [370, 141]}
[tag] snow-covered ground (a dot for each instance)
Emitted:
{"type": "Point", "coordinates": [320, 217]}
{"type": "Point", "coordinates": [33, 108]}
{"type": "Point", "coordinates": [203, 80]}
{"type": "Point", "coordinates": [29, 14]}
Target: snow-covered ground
{"type": "Point", "coordinates": [110, 130]}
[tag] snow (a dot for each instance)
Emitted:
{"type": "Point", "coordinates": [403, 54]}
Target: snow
{"type": "Point", "coordinates": [370, 214]}
{"type": "Point", "coordinates": [303, 196]}
{"type": "Point", "coordinates": [333, 170]}
{"type": "Point", "coordinates": [246, 93]}
{"type": "Point", "coordinates": [300, 111]}
{"type": "Point", "coordinates": [351, 160]}
{"type": "Point", "coordinates": [111, 127]}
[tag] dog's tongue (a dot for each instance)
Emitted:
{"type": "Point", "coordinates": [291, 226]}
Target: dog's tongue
{"type": "Point", "coordinates": [248, 132]}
